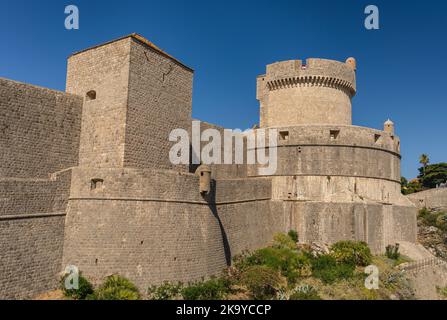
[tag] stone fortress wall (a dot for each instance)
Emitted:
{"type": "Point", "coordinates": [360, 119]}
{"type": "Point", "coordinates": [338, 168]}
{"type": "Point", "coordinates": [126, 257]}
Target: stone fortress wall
{"type": "Point", "coordinates": [39, 143]}
{"type": "Point", "coordinates": [117, 205]}
{"type": "Point", "coordinates": [338, 181]}
{"type": "Point", "coordinates": [432, 199]}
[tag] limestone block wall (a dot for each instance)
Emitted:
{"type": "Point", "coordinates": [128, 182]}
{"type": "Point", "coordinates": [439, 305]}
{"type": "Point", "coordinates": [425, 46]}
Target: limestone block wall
{"type": "Point", "coordinates": [32, 214]}
{"type": "Point", "coordinates": [224, 171]}
{"type": "Point", "coordinates": [30, 255]}
{"type": "Point", "coordinates": [160, 100]}
{"type": "Point", "coordinates": [104, 70]}
{"type": "Point", "coordinates": [39, 130]}
{"type": "Point", "coordinates": [39, 140]}
{"type": "Point", "coordinates": [377, 224]}
{"type": "Point", "coordinates": [153, 225]}
{"type": "Point", "coordinates": [34, 196]}
{"type": "Point", "coordinates": [317, 91]}
{"type": "Point", "coordinates": [336, 188]}
{"type": "Point", "coordinates": [349, 151]}
{"type": "Point", "coordinates": [434, 199]}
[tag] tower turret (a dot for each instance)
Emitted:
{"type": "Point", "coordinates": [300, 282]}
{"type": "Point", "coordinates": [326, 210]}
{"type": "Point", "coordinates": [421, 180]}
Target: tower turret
{"type": "Point", "coordinates": [388, 126]}
{"type": "Point", "coordinates": [316, 91]}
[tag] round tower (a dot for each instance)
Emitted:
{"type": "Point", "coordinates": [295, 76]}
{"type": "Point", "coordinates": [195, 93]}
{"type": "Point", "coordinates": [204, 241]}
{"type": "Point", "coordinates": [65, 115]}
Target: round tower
{"type": "Point", "coordinates": [316, 91]}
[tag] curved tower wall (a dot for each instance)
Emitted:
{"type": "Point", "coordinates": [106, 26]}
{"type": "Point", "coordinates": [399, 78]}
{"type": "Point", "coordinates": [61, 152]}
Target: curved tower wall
{"type": "Point", "coordinates": [318, 91]}
{"type": "Point", "coordinates": [336, 181]}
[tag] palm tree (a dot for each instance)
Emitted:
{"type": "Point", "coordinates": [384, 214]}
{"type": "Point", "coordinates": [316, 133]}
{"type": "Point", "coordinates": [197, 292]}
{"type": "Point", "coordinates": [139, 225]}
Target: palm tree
{"type": "Point", "coordinates": [424, 160]}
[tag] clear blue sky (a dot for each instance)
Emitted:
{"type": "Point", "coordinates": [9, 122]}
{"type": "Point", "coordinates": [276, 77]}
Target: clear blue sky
{"type": "Point", "coordinates": [401, 74]}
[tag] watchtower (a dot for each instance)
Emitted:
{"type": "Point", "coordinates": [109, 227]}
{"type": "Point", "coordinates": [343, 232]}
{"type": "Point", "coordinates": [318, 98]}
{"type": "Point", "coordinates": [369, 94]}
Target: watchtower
{"type": "Point", "coordinates": [135, 94]}
{"type": "Point", "coordinates": [316, 91]}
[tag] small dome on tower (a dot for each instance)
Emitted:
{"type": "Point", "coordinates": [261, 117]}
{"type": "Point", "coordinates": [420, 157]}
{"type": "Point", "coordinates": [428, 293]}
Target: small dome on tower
{"type": "Point", "coordinates": [389, 122]}
{"type": "Point", "coordinates": [352, 63]}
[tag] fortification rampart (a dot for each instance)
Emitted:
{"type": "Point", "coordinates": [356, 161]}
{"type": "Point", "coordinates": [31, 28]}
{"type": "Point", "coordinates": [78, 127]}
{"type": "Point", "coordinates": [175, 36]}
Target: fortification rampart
{"type": "Point", "coordinates": [129, 211]}
{"type": "Point", "coordinates": [433, 199]}
{"type": "Point", "coordinates": [345, 151]}
{"type": "Point", "coordinates": [32, 214]}
{"type": "Point", "coordinates": [153, 225]}
{"type": "Point", "coordinates": [39, 130]}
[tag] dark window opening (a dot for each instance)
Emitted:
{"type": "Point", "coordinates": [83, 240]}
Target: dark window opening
{"type": "Point", "coordinates": [91, 95]}
{"type": "Point", "coordinates": [376, 137]}
{"type": "Point", "coordinates": [96, 184]}
{"type": "Point", "coordinates": [284, 135]}
{"type": "Point", "coordinates": [334, 134]}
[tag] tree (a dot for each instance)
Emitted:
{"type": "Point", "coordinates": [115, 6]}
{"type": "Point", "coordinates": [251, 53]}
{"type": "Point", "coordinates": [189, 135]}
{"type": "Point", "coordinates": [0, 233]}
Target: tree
{"type": "Point", "coordinates": [433, 175]}
{"type": "Point", "coordinates": [404, 185]}
{"type": "Point", "coordinates": [408, 187]}
{"type": "Point", "coordinates": [424, 160]}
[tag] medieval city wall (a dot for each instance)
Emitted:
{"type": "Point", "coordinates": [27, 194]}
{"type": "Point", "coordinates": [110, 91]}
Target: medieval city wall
{"type": "Point", "coordinates": [153, 225]}
{"type": "Point", "coordinates": [31, 255]}
{"type": "Point", "coordinates": [225, 171]}
{"type": "Point", "coordinates": [39, 139]}
{"type": "Point", "coordinates": [32, 215]}
{"type": "Point", "coordinates": [433, 199]}
{"type": "Point", "coordinates": [39, 128]}
{"type": "Point", "coordinates": [374, 223]}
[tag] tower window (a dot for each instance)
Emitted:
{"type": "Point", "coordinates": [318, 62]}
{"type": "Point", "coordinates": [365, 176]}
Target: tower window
{"type": "Point", "coordinates": [334, 134]}
{"type": "Point", "coordinates": [91, 95]}
{"type": "Point", "coordinates": [284, 135]}
{"type": "Point", "coordinates": [96, 184]}
{"type": "Point", "coordinates": [376, 137]}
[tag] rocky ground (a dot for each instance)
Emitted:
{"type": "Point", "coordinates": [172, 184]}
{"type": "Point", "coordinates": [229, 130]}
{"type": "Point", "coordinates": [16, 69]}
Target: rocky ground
{"type": "Point", "coordinates": [432, 232]}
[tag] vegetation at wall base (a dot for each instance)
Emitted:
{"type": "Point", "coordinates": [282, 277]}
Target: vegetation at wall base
{"type": "Point", "coordinates": [432, 231]}
{"type": "Point", "coordinates": [84, 289]}
{"type": "Point", "coordinates": [284, 271]}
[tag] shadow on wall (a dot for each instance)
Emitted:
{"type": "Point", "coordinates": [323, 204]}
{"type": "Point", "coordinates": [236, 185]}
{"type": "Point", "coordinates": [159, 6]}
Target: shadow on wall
{"type": "Point", "coordinates": [210, 198]}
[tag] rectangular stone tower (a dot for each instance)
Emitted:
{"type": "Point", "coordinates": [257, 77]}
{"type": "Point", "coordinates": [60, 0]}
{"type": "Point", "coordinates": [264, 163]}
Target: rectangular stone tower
{"type": "Point", "coordinates": [134, 95]}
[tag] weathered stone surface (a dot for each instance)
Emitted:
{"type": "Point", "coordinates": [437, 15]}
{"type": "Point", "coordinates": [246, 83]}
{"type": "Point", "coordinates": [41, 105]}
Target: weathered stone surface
{"type": "Point", "coordinates": [432, 199]}
{"type": "Point", "coordinates": [99, 154]}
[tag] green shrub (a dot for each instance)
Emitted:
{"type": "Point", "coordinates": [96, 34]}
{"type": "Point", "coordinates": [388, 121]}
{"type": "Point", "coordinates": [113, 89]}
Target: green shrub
{"type": "Point", "coordinates": [290, 263]}
{"type": "Point", "coordinates": [392, 252]}
{"type": "Point", "coordinates": [116, 287]}
{"type": "Point", "coordinates": [242, 261]}
{"type": "Point", "coordinates": [352, 252]}
{"type": "Point", "coordinates": [326, 268]}
{"type": "Point", "coordinates": [305, 292]}
{"type": "Point", "coordinates": [85, 288]}
{"type": "Point", "coordinates": [442, 291]}
{"type": "Point", "coordinates": [213, 289]}
{"type": "Point", "coordinates": [441, 221]}
{"type": "Point", "coordinates": [281, 240]}
{"type": "Point", "coordinates": [433, 218]}
{"type": "Point", "coordinates": [166, 291]}
{"type": "Point", "coordinates": [293, 235]}
{"type": "Point", "coordinates": [262, 282]}
{"type": "Point", "coordinates": [424, 212]}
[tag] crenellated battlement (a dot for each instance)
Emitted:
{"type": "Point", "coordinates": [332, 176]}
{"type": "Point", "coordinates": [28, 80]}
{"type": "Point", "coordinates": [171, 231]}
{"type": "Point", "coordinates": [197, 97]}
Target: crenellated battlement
{"type": "Point", "coordinates": [317, 81]}
{"type": "Point", "coordinates": [318, 72]}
